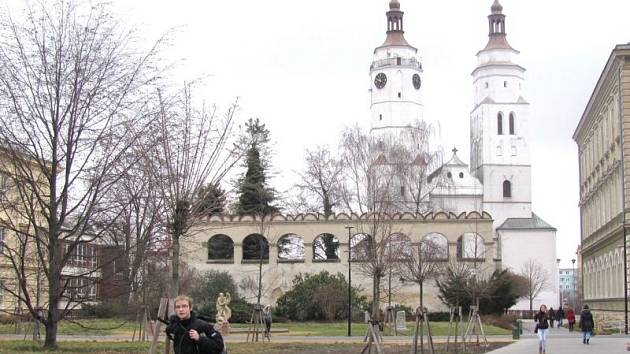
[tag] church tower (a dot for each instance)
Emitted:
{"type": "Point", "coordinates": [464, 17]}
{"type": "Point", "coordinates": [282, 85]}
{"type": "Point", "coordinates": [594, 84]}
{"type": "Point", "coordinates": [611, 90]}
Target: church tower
{"type": "Point", "coordinates": [396, 79]}
{"type": "Point", "coordinates": [499, 152]}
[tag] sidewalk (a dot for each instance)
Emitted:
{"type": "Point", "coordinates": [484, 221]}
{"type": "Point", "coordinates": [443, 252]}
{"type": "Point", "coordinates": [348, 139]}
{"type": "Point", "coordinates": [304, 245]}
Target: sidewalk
{"type": "Point", "coordinates": [568, 345]}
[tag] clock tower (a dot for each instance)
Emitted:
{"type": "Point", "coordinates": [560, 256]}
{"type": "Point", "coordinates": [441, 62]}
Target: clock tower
{"type": "Point", "coordinates": [396, 80]}
{"type": "Point", "coordinates": [499, 153]}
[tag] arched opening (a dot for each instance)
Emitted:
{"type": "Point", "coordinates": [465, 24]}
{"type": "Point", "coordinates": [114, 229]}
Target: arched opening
{"type": "Point", "coordinates": [511, 124]}
{"type": "Point", "coordinates": [361, 247]}
{"type": "Point", "coordinates": [326, 248]}
{"type": "Point", "coordinates": [398, 247]}
{"type": "Point", "coordinates": [500, 123]}
{"type": "Point", "coordinates": [470, 246]}
{"type": "Point", "coordinates": [434, 246]}
{"type": "Point", "coordinates": [290, 248]}
{"type": "Point", "coordinates": [220, 247]}
{"type": "Point", "coordinates": [507, 189]}
{"type": "Point", "coordinates": [255, 247]}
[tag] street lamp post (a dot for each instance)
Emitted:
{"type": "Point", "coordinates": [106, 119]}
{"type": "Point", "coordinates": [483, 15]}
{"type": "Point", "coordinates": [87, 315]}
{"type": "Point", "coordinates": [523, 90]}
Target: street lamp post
{"type": "Point", "coordinates": [349, 280]}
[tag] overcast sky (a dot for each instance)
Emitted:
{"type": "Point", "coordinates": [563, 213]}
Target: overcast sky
{"type": "Point", "coordinates": [302, 67]}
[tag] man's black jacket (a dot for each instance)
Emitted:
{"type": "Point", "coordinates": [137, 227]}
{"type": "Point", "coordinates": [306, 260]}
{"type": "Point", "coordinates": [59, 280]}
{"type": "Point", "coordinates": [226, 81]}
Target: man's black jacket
{"type": "Point", "coordinates": [210, 341]}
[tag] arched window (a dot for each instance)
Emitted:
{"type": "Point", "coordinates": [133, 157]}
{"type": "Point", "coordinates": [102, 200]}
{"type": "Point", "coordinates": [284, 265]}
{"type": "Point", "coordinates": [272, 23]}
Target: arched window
{"type": "Point", "coordinates": [326, 248]}
{"type": "Point", "coordinates": [500, 123]}
{"type": "Point", "coordinates": [290, 248]}
{"type": "Point", "coordinates": [507, 189]}
{"type": "Point", "coordinates": [398, 247]}
{"type": "Point", "coordinates": [360, 247]}
{"type": "Point", "coordinates": [470, 246]}
{"type": "Point", "coordinates": [255, 247]}
{"type": "Point", "coordinates": [511, 124]}
{"type": "Point", "coordinates": [220, 247]}
{"type": "Point", "coordinates": [435, 247]}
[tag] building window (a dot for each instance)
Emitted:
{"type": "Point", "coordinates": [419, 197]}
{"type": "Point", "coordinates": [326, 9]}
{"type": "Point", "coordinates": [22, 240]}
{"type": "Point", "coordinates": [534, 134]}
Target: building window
{"type": "Point", "coordinates": [1, 294]}
{"type": "Point", "coordinates": [511, 124]}
{"type": "Point", "coordinates": [461, 175]}
{"type": "Point", "coordinates": [504, 83]}
{"type": "Point", "coordinates": [499, 151]}
{"type": "Point", "coordinates": [507, 189]}
{"type": "Point", "coordinates": [380, 117]}
{"type": "Point", "coordinates": [2, 240]}
{"type": "Point", "coordinates": [449, 175]}
{"type": "Point", "coordinates": [500, 123]}
{"type": "Point", "coordinates": [513, 150]}
{"type": "Point", "coordinates": [486, 85]}
{"type": "Point", "coordinates": [399, 95]}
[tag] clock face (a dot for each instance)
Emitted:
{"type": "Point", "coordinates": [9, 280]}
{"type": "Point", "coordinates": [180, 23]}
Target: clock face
{"type": "Point", "coordinates": [380, 80]}
{"type": "Point", "coordinates": [416, 81]}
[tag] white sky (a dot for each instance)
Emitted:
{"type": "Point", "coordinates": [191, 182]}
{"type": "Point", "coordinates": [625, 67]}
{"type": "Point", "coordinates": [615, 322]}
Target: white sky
{"type": "Point", "coordinates": [302, 67]}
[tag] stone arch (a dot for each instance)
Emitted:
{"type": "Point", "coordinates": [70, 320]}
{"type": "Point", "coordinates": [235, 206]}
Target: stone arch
{"type": "Point", "coordinates": [326, 247]}
{"type": "Point", "coordinates": [434, 246]}
{"type": "Point", "coordinates": [398, 247]}
{"type": "Point", "coordinates": [361, 247]}
{"type": "Point", "coordinates": [220, 247]}
{"type": "Point", "coordinates": [255, 247]}
{"type": "Point", "coordinates": [290, 247]}
{"type": "Point", "coordinates": [471, 246]}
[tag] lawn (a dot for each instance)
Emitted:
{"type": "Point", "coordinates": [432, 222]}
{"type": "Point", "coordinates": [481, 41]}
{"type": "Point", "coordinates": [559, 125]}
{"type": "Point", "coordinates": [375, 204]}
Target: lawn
{"type": "Point", "coordinates": [120, 327]}
{"type": "Point", "coordinates": [27, 347]}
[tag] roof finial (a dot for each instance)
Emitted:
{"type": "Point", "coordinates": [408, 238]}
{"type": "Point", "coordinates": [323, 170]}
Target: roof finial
{"type": "Point", "coordinates": [454, 151]}
{"type": "Point", "coordinates": [496, 7]}
{"type": "Point", "coordinates": [394, 5]}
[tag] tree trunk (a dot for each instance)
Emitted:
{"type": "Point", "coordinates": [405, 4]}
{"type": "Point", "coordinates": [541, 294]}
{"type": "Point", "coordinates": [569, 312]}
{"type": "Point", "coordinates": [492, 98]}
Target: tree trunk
{"type": "Point", "coordinates": [376, 295]}
{"type": "Point", "coordinates": [51, 324]}
{"type": "Point", "coordinates": [175, 266]}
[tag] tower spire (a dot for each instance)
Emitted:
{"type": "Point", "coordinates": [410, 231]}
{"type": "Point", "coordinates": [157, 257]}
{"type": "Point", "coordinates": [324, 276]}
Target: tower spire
{"type": "Point", "coordinates": [496, 23]}
{"type": "Point", "coordinates": [395, 31]}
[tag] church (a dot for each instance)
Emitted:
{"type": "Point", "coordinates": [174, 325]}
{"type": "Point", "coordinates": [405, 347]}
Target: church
{"type": "Point", "coordinates": [487, 202]}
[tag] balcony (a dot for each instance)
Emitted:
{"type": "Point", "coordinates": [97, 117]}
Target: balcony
{"type": "Point", "coordinates": [400, 62]}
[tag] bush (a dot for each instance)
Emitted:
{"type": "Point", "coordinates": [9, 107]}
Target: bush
{"type": "Point", "coordinates": [439, 316]}
{"type": "Point", "coordinates": [100, 310]}
{"type": "Point", "coordinates": [241, 311]}
{"type": "Point", "coordinates": [320, 296]}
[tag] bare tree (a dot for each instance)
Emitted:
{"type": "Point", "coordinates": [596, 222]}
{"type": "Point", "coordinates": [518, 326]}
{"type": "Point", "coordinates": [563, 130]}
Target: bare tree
{"type": "Point", "coordinates": [192, 148]}
{"type": "Point", "coordinates": [320, 185]}
{"type": "Point", "coordinates": [537, 279]}
{"type": "Point", "coordinates": [72, 94]}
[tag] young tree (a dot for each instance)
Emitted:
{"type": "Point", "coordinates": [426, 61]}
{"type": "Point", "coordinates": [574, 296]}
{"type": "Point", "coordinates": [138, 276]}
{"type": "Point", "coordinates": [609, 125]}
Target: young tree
{"type": "Point", "coordinates": [537, 280]}
{"type": "Point", "coordinates": [190, 152]}
{"type": "Point", "coordinates": [73, 89]}
{"type": "Point", "coordinates": [320, 186]}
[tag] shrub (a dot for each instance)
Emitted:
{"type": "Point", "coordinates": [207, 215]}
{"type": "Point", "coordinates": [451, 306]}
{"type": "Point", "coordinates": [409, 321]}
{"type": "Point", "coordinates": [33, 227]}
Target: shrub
{"type": "Point", "coordinates": [320, 296]}
{"type": "Point", "coordinates": [505, 321]}
{"type": "Point", "coordinates": [99, 310]}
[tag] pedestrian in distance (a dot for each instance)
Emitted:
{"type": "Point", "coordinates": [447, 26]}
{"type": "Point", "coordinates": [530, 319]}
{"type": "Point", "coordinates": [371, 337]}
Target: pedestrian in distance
{"type": "Point", "coordinates": [191, 335]}
{"type": "Point", "coordinates": [552, 316]}
{"type": "Point", "coordinates": [542, 320]}
{"type": "Point", "coordinates": [267, 318]}
{"type": "Point", "coordinates": [560, 316]}
{"type": "Point", "coordinates": [571, 319]}
{"type": "Point", "coordinates": [586, 324]}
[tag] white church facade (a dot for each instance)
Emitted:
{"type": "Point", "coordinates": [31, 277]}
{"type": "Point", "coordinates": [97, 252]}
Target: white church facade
{"type": "Point", "coordinates": [489, 198]}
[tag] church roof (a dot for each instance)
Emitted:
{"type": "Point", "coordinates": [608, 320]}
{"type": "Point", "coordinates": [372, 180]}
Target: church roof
{"type": "Point", "coordinates": [533, 223]}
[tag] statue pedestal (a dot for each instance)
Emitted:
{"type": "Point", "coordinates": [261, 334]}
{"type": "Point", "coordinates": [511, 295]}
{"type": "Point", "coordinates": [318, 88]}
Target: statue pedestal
{"type": "Point", "coordinates": [225, 328]}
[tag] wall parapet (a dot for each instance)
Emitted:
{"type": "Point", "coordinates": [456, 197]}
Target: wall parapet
{"type": "Point", "coordinates": [430, 216]}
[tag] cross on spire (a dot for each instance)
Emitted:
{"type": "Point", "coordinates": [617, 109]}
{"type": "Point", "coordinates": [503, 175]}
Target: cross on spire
{"type": "Point", "coordinates": [454, 151]}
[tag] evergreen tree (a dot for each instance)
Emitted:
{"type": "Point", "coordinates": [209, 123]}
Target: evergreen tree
{"type": "Point", "coordinates": [254, 196]}
{"type": "Point", "coordinates": [212, 199]}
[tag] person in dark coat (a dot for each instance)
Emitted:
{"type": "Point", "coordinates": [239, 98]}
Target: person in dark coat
{"type": "Point", "coordinates": [191, 335]}
{"type": "Point", "coordinates": [586, 324]}
{"type": "Point", "coordinates": [542, 328]}
{"type": "Point", "coordinates": [560, 316]}
{"type": "Point", "coordinates": [552, 316]}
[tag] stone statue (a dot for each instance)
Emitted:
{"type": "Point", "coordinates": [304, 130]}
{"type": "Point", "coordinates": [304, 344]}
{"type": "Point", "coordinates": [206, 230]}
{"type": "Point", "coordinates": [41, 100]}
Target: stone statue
{"type": "Point", "coordinates": [223, 311]}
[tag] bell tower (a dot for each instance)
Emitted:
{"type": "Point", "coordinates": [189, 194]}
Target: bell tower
{"type": "Point", "coordinates": [395, 79]}
{"type": "Point", "coordinates": [499, 151]}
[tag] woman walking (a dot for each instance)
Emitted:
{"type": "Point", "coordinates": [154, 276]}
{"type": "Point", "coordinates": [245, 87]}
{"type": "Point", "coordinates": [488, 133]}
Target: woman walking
{"type": "Point", "coordinates": [571, 319]}
{"type": "Point", "coordinates": [586, 324]}
{"type": "Point", "coordinates": [542, 328]}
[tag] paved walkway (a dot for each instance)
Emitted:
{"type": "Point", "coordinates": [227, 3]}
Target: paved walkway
{"type": "Point", "coordinates": [568, 345]}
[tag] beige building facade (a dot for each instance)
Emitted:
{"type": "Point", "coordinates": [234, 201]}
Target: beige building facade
{"type": "Point", "coordinates": [603, 139]}
{"type": "Point", "coordinates": [310, 243]}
